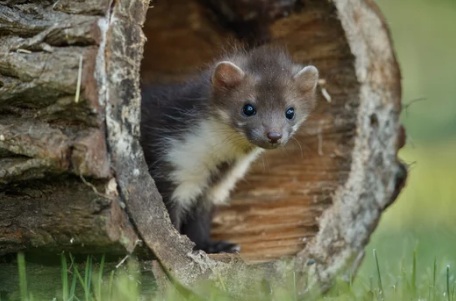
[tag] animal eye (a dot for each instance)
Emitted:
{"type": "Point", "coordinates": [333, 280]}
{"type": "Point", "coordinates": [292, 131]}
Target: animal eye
{"type": "Point", "coordinates": [289, 113]}
{"type": "Point", "coordinates": [249, 110]}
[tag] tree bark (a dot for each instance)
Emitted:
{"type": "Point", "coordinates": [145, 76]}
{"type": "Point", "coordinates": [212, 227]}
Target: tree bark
{"type": "Point", "coordinates": [57, 187]}
{"type": "Point", "coordinates": [70, 160]}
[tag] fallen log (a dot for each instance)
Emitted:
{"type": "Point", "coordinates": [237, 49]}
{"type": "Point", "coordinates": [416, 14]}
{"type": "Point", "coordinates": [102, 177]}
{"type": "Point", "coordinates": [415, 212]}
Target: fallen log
{"type": "Point", "coordinates": [72, 172]}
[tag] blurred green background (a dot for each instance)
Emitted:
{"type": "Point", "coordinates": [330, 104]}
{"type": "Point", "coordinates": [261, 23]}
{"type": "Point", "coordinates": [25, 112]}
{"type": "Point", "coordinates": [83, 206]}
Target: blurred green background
{"type": "Point", "coordinates": [423, 219]}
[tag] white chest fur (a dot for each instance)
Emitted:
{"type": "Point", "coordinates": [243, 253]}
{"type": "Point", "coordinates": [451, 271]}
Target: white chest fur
{"type": "Point", "coordinates": [197, 156]}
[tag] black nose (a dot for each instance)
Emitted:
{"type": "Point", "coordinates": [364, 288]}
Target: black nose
{"type": "Point", "coordinates": [274, 136]}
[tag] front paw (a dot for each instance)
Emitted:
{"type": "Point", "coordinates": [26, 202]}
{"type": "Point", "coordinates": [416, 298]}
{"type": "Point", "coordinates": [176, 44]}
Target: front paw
{"type": "Point", "coordinates": [220, 246]}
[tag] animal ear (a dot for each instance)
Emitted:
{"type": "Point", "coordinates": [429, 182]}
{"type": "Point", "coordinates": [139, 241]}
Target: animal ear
{"type": "Point", "coordinates": [307, 78]}
{"type": "Point", "coordinates": [227, 75]}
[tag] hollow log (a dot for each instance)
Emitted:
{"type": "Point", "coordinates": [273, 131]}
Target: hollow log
{"type": "Point", "coordinates": [73, 175]}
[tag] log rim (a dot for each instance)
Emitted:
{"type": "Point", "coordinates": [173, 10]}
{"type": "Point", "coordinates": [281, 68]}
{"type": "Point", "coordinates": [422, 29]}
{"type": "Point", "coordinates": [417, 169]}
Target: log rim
{"type": "Point", "coordinates": [332, 224]}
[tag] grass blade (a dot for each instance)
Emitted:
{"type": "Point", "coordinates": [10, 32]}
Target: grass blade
{"type": "Point", "coordinates": [88, 278]}
{"type": "Point", "coordinates": [379, 276]}
{"type": "Point", "coordinates": [77, 274]}
{"type": "Point", "coordinates": [72, 295]}
{"type": "Point", "coordinates": [110, 285]}
{"type": "Point", "coordinates": [448, 282]}
{"type": "Point", "coordinates": [434, 274]}
{"type": "Point", "coordinates": [413, 279]}
{"type": "Point", "coordinates": [64, 277]}
{"type": "Point", "coordinates": [22, 276]}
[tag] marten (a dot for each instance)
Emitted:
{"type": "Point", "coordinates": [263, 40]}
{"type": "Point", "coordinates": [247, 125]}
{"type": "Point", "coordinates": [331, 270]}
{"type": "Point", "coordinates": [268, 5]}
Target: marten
{"type": "Point", "coordinates": [199, 137]}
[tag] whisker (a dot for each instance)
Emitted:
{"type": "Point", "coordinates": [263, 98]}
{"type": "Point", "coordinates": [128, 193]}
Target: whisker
{"type": "Point", "coordinates": [284, 148]}
{"type": "Point", "coordinates": [264, 165]}
{"type": "Point", "coordinates": [300, 146]}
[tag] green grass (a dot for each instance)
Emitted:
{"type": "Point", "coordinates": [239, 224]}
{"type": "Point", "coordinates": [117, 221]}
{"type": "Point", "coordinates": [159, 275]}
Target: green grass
{"type": "Point", "coordinates": [416, 238]}
{"type": "Point", "coordinates": [88, 281]}
{"type": "Point", "coordinates": [124, 285]}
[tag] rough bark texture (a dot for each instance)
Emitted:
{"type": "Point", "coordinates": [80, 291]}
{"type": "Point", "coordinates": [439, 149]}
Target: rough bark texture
{"type": "Point", "coordinates": [62, 214]}
{"type": "Point", "coordinates": [57, 190]}
{"type": "Point", "coordinates": [69, 164]}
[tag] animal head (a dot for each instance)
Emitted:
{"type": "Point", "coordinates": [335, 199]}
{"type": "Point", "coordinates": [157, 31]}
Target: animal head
{"type": "Point", "coordinates": [263, 95]}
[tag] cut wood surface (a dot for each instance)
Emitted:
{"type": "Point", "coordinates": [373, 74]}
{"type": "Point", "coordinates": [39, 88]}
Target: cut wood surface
{"type": "Point", "coordinates": [70, 160]}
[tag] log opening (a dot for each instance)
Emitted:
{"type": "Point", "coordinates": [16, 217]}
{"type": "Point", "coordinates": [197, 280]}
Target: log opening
{"type": "Point", "coordinates": [275, 210]}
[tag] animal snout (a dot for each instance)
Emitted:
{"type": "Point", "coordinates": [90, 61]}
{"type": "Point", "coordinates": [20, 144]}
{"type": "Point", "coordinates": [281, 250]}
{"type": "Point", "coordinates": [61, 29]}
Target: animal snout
{"type": "Point", "coordinates": [274, 137]}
